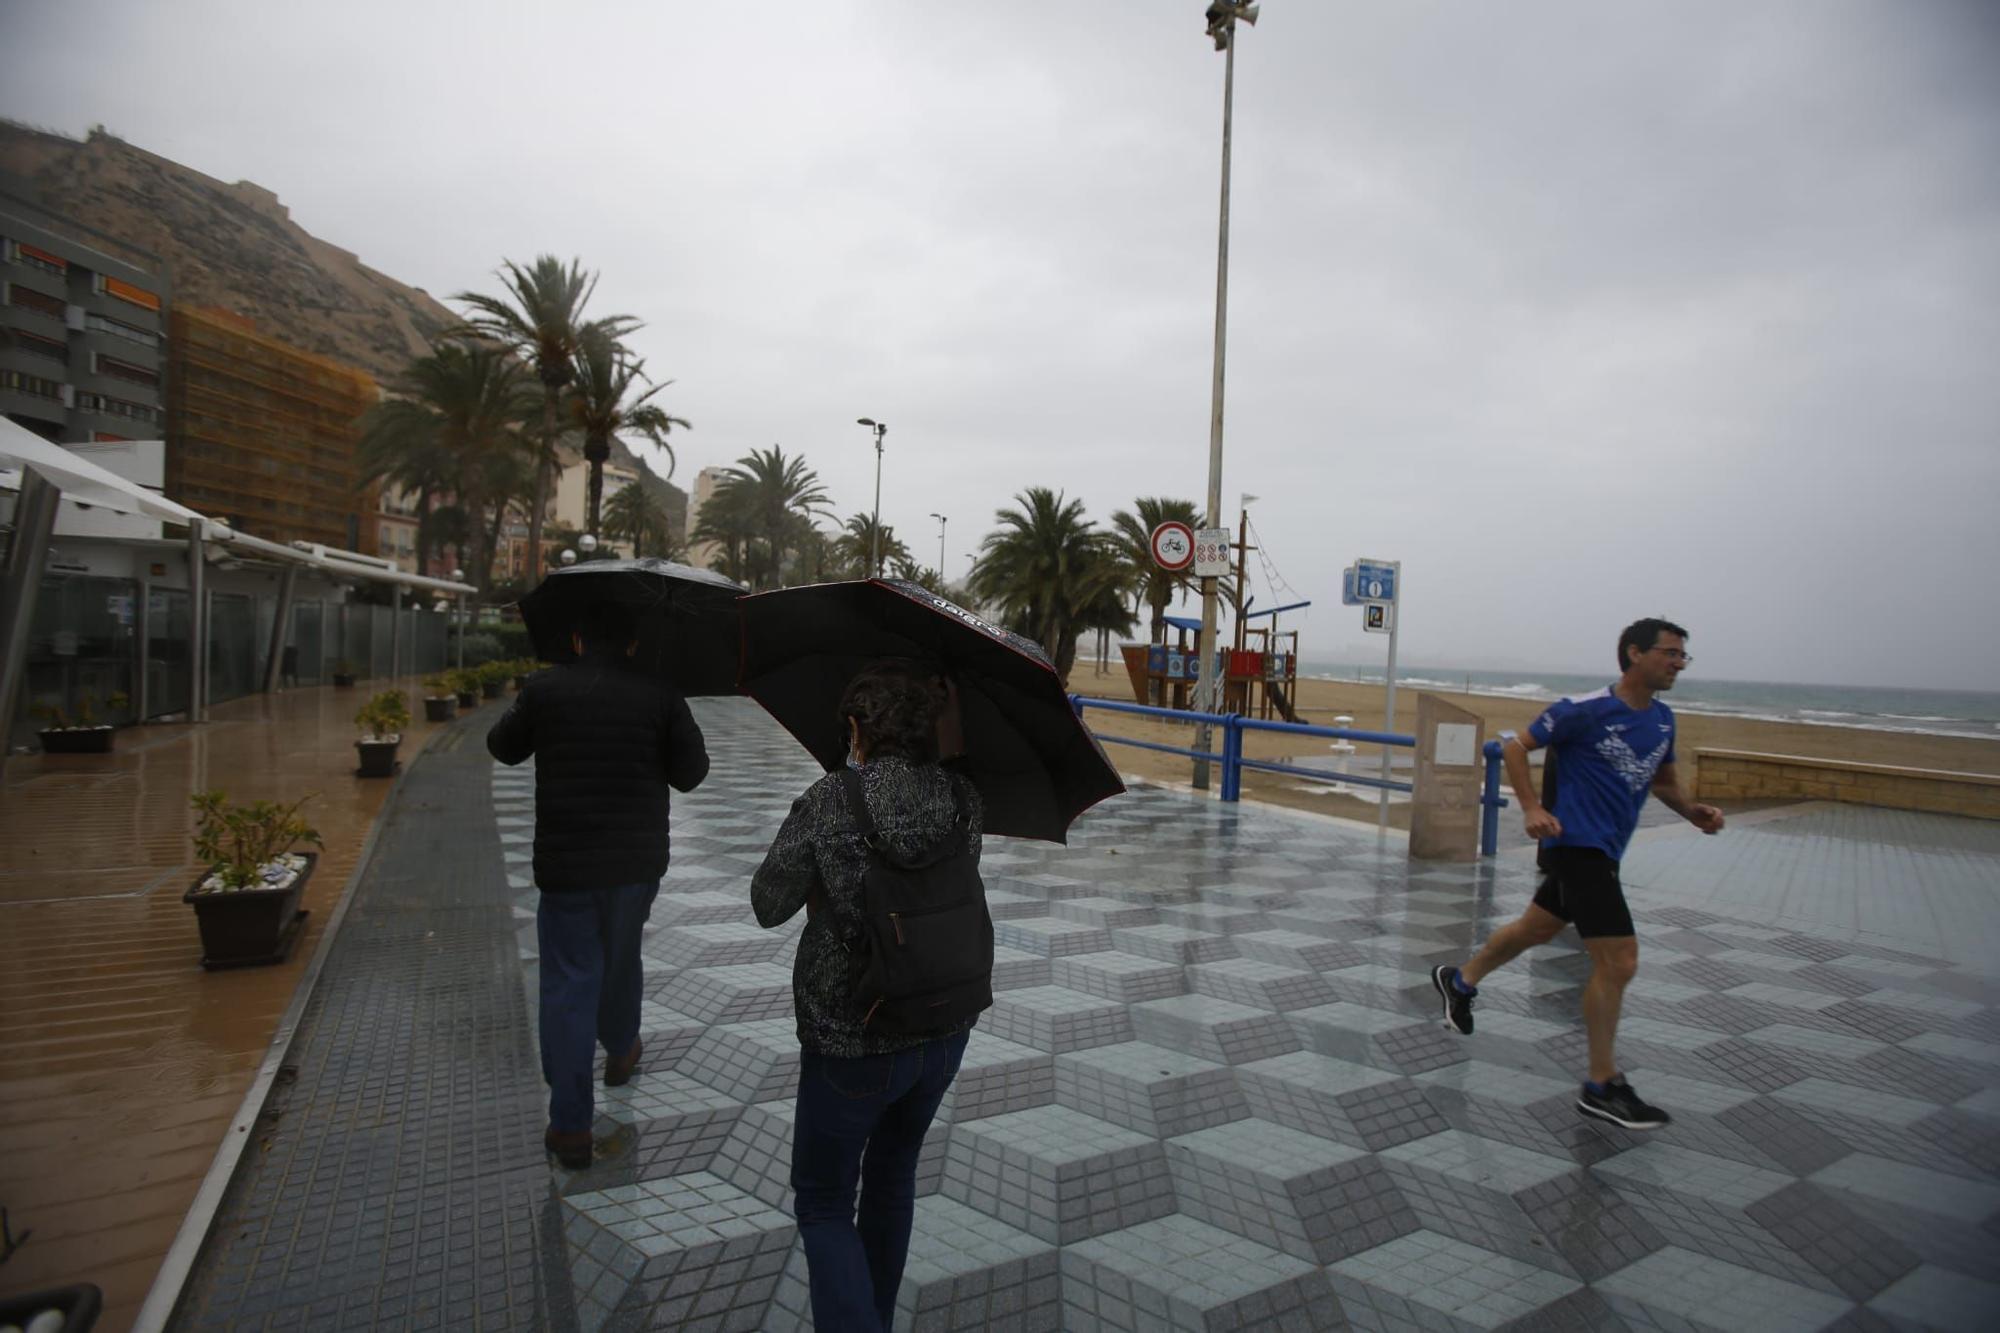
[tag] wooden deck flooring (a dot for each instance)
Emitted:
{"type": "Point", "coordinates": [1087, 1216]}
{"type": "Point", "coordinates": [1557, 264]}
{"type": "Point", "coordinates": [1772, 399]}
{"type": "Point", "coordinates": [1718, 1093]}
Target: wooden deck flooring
{"type": "Point", "coordinates": [122, 1063]}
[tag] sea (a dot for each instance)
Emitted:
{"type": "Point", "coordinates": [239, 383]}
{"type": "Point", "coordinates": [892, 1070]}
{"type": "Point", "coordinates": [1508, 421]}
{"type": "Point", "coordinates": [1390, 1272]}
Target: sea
{"type": "Point", "coordinates": [1875, 708]}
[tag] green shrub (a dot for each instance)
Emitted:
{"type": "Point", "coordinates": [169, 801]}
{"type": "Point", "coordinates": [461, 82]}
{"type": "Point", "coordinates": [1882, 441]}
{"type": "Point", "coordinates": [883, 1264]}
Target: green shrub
{"type": "Point", "coordinates": [481, 648]}
{"type": "Point", "coordinates": [237, 842]}
{"type": "Point", "coordinates": [385, 715]}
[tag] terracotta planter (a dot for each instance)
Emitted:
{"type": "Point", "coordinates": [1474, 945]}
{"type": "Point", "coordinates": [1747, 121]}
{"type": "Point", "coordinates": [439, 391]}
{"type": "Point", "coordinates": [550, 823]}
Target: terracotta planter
{"type": "Point", "coordinates": [378, 758]}
{"type": "Point", "coordinates": [492, 689]}
{"type": "Point", "coordinates": [249, 927]}
{"type": "Point", "coordinates": [440, 710]}
{"type": "Point", "coordinates": [77, 740]}
{"type": "Point", "coordinates": [341, 682]}
{"type": "Point", "coordinates": [468, 699]}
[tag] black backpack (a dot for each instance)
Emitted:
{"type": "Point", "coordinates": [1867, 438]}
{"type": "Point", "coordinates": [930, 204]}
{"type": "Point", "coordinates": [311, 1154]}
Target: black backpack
{"type": "Point", "coordinates": [924, 963]}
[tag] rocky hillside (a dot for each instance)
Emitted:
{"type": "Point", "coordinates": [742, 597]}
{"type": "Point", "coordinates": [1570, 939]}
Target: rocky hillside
{"type": "Point", "coordinates": [233, 246]}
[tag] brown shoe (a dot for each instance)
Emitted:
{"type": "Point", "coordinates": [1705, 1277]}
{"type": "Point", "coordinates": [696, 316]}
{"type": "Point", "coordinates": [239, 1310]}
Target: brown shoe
{"type": "Point", "coordinates": [617, 1073]}
{"type": "Point", "coordinates": [571, 1149]}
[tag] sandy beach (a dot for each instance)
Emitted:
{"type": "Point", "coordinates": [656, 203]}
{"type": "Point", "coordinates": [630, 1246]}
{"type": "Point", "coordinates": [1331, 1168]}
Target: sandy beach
{"type": "Point", "coordinates": [1321, 701]}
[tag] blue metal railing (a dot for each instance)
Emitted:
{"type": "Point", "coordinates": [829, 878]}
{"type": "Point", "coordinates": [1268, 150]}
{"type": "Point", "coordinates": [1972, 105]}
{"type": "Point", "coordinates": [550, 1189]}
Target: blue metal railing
{"type": "Point", "coordinates": [1232, 760]}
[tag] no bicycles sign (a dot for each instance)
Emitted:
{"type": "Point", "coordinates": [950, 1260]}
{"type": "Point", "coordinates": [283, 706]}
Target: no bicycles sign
{"type": "Point", "coordinates": [1173, 546]}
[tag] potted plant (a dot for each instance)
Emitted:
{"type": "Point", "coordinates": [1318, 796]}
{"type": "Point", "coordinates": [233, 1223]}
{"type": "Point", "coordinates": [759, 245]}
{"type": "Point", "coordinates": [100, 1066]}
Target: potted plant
{"type": "Point", "coordinates": [83, 734]}
{"type": "Point", "coordinates": [343, 675]}
{"type": "Point", "coordinates": [441, 704]}
{"type": "Point", "coordinates": [382, 720]}
{"type": "Point", "coordinates": [493, 679]}
{"type": "Point", "coordinates": [247, 901]}
{"type": "Point", "coordinates": [465, 684]}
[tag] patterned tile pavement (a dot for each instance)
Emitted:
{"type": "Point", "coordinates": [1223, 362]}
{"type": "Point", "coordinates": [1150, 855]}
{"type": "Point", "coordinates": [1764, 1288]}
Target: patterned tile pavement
{"type": "Point", "coordinates": [1212, 1094]}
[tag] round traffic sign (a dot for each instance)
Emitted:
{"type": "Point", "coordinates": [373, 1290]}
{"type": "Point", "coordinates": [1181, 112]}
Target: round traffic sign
{"type": "Point", "coordinates": [1173, 545]}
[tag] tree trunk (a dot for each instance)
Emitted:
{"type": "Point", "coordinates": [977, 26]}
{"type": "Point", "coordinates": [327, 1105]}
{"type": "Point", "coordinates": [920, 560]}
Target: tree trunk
{"type": "Point", "coordinates": [541, 489]}
{"type": "Point", "coordinates": [492, 544]}
{"type": "Point", "coordinates": [423, 529]}
{"type": "Point", "coordinates": [593, 505]}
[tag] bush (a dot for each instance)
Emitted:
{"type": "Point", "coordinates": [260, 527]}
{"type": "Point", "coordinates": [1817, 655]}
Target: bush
{"type": "Point", "coordinates": [482, 648]}
{"type": "Point", "coordinates": [239, 841]}
{"type": "Point", "coordinates": [387, 714]}
{"type": "Point", "coordinates": [513, 639]}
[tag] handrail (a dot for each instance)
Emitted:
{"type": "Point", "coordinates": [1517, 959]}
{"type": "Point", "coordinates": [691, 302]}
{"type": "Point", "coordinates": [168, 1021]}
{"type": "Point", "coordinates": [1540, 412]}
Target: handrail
{"type": "Point", "coordinates": [1233, 762]}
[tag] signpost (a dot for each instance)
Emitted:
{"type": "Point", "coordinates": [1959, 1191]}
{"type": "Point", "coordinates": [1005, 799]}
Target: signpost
{"type": "Point", "coordinates": [1374, 586]}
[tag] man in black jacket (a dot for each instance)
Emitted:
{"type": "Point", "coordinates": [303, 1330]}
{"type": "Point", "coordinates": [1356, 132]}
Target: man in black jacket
{"type": "Point", "coordinates": [608, 742]}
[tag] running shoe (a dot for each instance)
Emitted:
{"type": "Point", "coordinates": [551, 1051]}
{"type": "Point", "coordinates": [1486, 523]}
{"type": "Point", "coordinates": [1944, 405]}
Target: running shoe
{"type": "Point", "coordinates": [1457, 1004]}
{"type": "Point", "coordinates": [1621, 1106]}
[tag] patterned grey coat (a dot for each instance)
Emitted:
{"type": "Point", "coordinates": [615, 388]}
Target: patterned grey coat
{"type": "Point", "coordinates": [819, 856]}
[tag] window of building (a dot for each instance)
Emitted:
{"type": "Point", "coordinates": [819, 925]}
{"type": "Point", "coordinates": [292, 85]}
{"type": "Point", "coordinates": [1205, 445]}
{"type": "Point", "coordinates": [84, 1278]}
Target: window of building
{"type": "Point", "coordinates": [35, 257]}
{"type": "Point", "coordinates": [116, 407]}
{"type": "Point", "coordinates": [34, 343]}
{"type": "Point", "coordinates": [40, 302]}
{"type": "Point", "coordinates": [118, 328]}
{"type": "Point", "coordinates": [125, 291]}
{"type": "Point", "coordinates": [125, 370]}
{"type": "Point", "coordinates": [35, 386]}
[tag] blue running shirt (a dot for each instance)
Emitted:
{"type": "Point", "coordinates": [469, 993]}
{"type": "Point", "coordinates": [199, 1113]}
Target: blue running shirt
{"type": "Point", "coordinates": [1607, 755]}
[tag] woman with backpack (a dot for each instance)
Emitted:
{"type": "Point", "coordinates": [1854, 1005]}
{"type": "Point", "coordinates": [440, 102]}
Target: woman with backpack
{"type": "Point", "coordinates": [893, 967]}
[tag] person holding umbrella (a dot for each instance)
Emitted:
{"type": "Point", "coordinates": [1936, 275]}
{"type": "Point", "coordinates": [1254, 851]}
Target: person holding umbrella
{"type": "Point", "coordinates": [609, 742]}
{"type": "Point", "coordinates": [867, 1095]}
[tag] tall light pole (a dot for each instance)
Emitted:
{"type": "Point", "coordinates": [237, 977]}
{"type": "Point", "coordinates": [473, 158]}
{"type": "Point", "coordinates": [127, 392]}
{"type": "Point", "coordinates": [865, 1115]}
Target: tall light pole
{"type": "Point", "coordinates": [880, 428]}
{"type": "Point", "coordinates": [941, 522]}
{"type": "Point", "coordinates": [1222, 16]}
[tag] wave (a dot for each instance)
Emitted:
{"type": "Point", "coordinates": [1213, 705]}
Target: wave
{"type": "Point", "coordinates": [1835, 712]}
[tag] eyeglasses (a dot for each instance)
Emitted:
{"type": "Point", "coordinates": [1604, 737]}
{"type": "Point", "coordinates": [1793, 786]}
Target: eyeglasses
{"type": "Point", "coordinates": [1675, 655]}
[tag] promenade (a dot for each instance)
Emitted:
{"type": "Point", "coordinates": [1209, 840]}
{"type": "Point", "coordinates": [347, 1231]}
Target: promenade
{"type": "Point", "coordinates": [1212, 1092]}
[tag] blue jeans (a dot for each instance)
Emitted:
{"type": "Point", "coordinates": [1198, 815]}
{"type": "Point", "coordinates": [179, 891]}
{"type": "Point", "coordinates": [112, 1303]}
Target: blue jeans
{"type": "Point", "coordinates": [589, 943]}
{"type": "Point", "coordinates": [880, 1105]}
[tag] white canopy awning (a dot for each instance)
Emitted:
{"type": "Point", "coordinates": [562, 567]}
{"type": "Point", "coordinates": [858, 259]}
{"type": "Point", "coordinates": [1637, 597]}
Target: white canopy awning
{"type": "Point", "coordinates": [80, 479]}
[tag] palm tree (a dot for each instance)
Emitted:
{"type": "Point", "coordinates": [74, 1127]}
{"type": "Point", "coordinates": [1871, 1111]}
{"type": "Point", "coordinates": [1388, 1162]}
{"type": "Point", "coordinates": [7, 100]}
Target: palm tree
{"type": "Point", "coordinates": [854, 549]}
{"type": "Point", "coordinates": [459, 409]}
{"type": "Point", "coordinates": [755, 510]}
{"type": "Point", "coordinates": [399, 449]}
{"type": "Point", "coordinates": [634, 515]}
{"type": "Point", "coordinates": [1154, 587]}
{"type": "Point", "coordinates": [601, 404]}
{"type": "Point", "coordinates": [540, 319]}
{"type": "Point", "coordinates": [1048, 570]}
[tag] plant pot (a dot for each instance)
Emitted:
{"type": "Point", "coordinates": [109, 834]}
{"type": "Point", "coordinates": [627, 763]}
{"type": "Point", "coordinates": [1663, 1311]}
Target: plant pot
{"type": "Point", "coordinates": [341, 682]}
{"type": "Point", "coordinates": [441, 709]}
{"type": "Point", "coordinates": [378, 758]}
{"type": "Point", "coordinates": [77, 740]}
{"type": "Point", "coordinates": [468, 699]}
{"type": "Point", "coordinates": [492, 689]}
{"type": "Point", "coordinates": [249, 927]}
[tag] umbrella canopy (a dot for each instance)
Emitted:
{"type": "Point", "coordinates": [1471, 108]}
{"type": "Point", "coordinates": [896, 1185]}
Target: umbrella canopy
{"type": "Point", "coordinates": [1015, 735]}
{"type": "Point", "coordinates": [686, 617]}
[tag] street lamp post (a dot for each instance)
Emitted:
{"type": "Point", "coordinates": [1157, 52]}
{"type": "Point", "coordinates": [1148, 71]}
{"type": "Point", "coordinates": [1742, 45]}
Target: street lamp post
{"type": "Point", "coordinates": [880, 428]}
{"type": "Point", "coordinates": [1222, 16]}
{"type": "Point", "coordinates": [941, 522]}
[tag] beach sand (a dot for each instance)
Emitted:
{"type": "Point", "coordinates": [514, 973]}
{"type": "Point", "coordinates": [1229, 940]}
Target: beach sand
{"type": "Point", "coordinates": [1320, 701]}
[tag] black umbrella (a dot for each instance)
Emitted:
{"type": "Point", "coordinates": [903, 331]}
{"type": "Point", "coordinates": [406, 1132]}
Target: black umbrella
{"type": "Point", "coordinates": [1016, 737]}
{"type": "Point", "coordinates": [686, 617]}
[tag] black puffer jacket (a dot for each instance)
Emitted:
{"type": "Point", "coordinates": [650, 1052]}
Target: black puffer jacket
{"type": "Point", "coordinates": [607, 743]}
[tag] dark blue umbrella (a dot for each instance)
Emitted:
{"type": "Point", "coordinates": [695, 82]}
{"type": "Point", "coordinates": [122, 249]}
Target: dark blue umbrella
{"type": "Point", "coordinates": [1014, 734]}
{"type": "Point", "coordinates": [686, 618]}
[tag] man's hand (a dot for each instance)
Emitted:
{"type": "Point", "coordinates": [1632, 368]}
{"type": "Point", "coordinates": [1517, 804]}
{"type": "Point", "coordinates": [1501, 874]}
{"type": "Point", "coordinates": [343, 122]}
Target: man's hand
{"type": "Point", "coordinates": [1543, 824]}
{"type": "Point", "coordinates": [1706, 818]}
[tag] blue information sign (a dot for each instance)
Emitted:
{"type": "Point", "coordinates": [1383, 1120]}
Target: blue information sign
{"type": "Point", "coordinates": [1374, 581]}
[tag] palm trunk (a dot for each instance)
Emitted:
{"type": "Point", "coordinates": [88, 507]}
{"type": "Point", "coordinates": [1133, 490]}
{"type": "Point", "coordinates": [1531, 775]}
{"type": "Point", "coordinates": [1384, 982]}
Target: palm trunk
{"type": "Point", "coordinates": [423, 529]}
{"type": "Point", "coordinates": [541, 488]}
{"type": "Point", "coordinates": [492, 541]}
{"type": "Point", "coordinates": [595, 500]}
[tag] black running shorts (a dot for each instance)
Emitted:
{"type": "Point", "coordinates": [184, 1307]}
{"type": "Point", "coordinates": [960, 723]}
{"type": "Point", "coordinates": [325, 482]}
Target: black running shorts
{"type": "Point", "coordinates": [1580, 885]}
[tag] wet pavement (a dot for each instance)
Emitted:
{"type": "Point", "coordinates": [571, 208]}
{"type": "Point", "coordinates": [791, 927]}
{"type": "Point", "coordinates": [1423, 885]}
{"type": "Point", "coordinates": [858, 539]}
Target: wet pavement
{"type": "Point", "coordinates": [1212, 1092]}
{"type": "Point", "coordinates": [123, 1063]}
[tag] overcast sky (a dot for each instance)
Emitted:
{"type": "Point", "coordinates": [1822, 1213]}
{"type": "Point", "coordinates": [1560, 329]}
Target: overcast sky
{"type": "Point", "coordinates": [1581, 311]}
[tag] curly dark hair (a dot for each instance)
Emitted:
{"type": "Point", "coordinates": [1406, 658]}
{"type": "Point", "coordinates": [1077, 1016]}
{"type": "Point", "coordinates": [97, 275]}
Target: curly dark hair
{"type": "Point", "coordinates": [895, 702]}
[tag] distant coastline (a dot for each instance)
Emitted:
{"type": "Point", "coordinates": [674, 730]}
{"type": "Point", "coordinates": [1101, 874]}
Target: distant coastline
{"type": "Point", "coordinates": [1868, 708]}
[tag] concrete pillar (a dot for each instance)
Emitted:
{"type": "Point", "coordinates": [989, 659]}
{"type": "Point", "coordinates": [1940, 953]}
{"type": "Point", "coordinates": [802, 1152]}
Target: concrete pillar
{"type": "Point", "coordinates": [280, 627]}
{"type": "Point", "coordinates": [197, 624]}
{"type": "Point", "coordinates": [21, 586]}
{"type": "Point", "coordinates": [1445, 810]}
